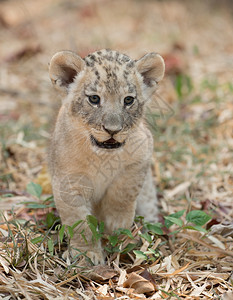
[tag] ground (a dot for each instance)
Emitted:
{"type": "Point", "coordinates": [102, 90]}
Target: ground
{"type": "Point", "coordinates": [192, 121]}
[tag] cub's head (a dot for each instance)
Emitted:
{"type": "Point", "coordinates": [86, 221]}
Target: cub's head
{"type": "Point", "coordinates": [107, 90]}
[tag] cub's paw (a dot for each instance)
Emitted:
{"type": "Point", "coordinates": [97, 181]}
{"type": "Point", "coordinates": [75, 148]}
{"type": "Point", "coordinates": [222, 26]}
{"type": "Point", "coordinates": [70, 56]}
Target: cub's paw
{"type": "Point", "coordinates": [88, 257]}
{"type": "Point", "coordinates": [69, 254]}
{"type": "Point", "coordinates": [97, 258]}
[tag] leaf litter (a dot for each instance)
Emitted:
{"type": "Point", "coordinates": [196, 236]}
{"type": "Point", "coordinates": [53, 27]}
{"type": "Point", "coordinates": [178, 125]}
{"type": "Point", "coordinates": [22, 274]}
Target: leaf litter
{"type": "Point", "coordinates": [191, 119]}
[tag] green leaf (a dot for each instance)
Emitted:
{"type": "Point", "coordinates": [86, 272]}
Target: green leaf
{"type": "Point", "coordinates": [151, 251]}
{"type": "Point", "coordinates": [173, 220]}
{"type": "Point", "coordinates": [154, 228]}
{"type": "Point", "coordinates": [51, 219]}
{"type": "Point", "coordinates": [197, 228]}
{"type": "Point", "coordinates": [76, 224]}
{"type": "Point", "coordinates": [34, 189]}
{"type": "Point", "coordinates": [83, 236]}
{"type": "Point", "coordinates": [95, 235]}
{"type": "Point", "coordinates": [93, 229]}
{"type": "Point", "coordinates": [178, 85]}
{"type": "Point", "coordinates": [109, 250]}
{"type": "Point", "coordinates": [153, 254]}
{"type": "Point", "coordinates": [61, 233]}
{"type": "Point", "coordinates": [70, 231]}
{"type": "Point", "coordinates": [139, 254]}
{"type": "Point", "coordinates": [124, 231]}
{"type": "Point", "coordinates": [198, 217]}
{"type": "Point", "coordinates": [101, 227]}
{"type": "Point", "coordinates": [50, 198]}
{"type": "Point", "coordinates": [49, 201]}
{"type": "Point", "coordinates": [183, 85]}
{"type": "Point", "coordinates": [37, 240]}
{"type": "Point", "coordinates": [116, 249]}
{"type": "Point", "coordinates": [128, 248]}
{"type": "Point", "coordinates": [92, 220]}
{"type": "Point", "coordinates": [112, 250]}
{"type": "Point", "coordinates": [93, 225]}
{"type": "Point", "coordinates": [146, 236]}
{"type": "Point", "coordinates": [170, 294]}
{"type": "Point", "coordinates": [176, 215]}
{"type": "Point", "coordinates": [139, 219]}
{"type": "Point", "coordinates": [7, 195]}
{"type": "Point", "coordinates": [34, 205]}
{"type": "Point", "coordinates": [113, 239]}
{"type": "Point", "coordinates": [174, 232]}
{"type": "Point", "coordinates": [50, 246]}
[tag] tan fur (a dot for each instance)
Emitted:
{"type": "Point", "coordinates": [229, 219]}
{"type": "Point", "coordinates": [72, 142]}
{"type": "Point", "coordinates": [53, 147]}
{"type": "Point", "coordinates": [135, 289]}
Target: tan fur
{"type": "Point", "coordinates": [87, 179]}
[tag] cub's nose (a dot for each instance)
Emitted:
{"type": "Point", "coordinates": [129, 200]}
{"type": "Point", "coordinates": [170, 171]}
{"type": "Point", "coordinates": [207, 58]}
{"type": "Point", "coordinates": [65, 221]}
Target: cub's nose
{"type": "Point", "coordinates": [112, 123]}
{"type": "Point", "coordinates": [112, 131]}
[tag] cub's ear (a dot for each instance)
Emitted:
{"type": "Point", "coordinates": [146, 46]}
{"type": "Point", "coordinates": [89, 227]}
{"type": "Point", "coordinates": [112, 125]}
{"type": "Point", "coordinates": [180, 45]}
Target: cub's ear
{"type": "Point", "coordinates": [63, 68]}
{"type": "Point", "coordinates": [151, 67]}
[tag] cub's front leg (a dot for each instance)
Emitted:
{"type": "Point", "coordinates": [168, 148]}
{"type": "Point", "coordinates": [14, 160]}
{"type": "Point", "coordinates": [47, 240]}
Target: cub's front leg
{"type": "Point", "coordinates": [147, 205]}
{"type": "Point", "coordinates": [117, 208]}
{"type": "Point", "coordinates": [73, 196]}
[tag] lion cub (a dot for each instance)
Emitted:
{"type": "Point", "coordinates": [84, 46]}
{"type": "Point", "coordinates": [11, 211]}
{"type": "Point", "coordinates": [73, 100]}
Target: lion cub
{"type": "Point", "coordinates": [100, 154]}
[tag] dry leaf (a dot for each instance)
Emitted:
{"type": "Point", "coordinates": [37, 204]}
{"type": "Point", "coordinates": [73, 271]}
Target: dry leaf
{"type": "Point", "coordinates": [122, 277]}
{"type": "Point", "coordinates": [224, 230]}
{"type": "Point", "coordinates": [5, 264]}
{"type": "Point", "coordinates": [178, 271]}
{"type": "Point", "coordinates": [103, 289]}
{"type": "Point", "coordinates": [139, 284]}
{"type": "Point", "coordinates": [102, 273]}
{"type": "Point", "coordinates": [8, 203]}
{"type": "Point", "coordinates": [181, 188]}
{"type": "Point", "coordinates": [147, 275]}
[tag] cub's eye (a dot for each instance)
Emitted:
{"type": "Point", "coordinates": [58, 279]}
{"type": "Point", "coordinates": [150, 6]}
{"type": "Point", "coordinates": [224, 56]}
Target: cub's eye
{"type": "Point", "coordinates": [129, 100]}
{"type": "Point", "coordinates": [94, 99]}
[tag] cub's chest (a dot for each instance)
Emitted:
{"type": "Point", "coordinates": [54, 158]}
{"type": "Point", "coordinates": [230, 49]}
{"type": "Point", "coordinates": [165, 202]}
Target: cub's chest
{"type": "Point", "coordinates": [106, 167]}
{"type": "Point", "coordinates": [102, 170]}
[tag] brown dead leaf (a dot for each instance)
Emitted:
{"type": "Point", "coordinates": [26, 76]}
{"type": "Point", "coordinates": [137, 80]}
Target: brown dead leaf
{"type": "Point", "coordinates": [224, 230]}
{"type": "Point", "coordinates": [23, 162]}
{"type": "Point", "coordinates": [7, 203]}
{"type": "Point", "coordinates": [4, 263]}
{"type": "Point", "coordinates": [102, 273]}
{"type": "Point", "coordinates": [139, 284]}
{"type": "Point", "coordinates": [201, 242]}
{"type": "Point", "coordinates": [181, 188]}
{"type": "Point", "coordinates": [178, 271]}
{"type": "Point", "coordinates": [147, 275]}
{"type": "Point", "coordinates": [135, 269]}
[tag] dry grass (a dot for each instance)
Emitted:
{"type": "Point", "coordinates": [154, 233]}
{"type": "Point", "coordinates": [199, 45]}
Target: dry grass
{"type": "Point", "coordinates": [193, 132]}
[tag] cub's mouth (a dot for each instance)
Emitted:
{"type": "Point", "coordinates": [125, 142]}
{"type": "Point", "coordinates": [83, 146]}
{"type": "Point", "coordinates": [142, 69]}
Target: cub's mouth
{"type": "Point", "coordinates": [108, 144]}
